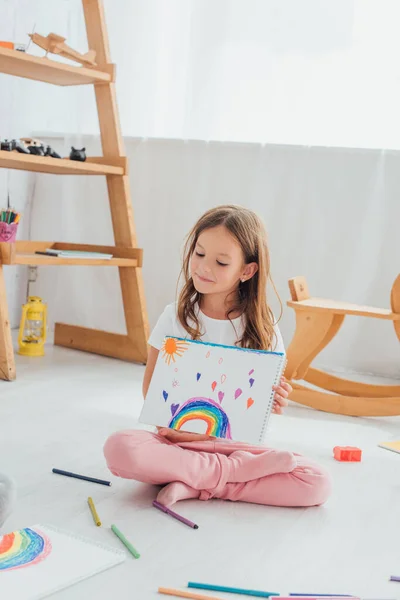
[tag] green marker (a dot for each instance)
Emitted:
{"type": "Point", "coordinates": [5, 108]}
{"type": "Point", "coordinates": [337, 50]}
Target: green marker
{"type": "Point", "coordinates": [126, 543]}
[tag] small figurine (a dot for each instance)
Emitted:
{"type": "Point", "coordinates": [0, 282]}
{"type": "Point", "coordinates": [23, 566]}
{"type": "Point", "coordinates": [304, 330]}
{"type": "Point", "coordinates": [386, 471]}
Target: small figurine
{"type": "Point", "coordinates": [6, 145]}
{"type": "Point", "coordinates": [76, 154]}
{"type": "Point", "coordinates": [11, 145]}
{"type": "Point", "coordinates": [54, 44]}
{"type": "Point", "coordinates": [20, 147]}
{"type": "Point", "coordinates": [29, 146]}
{"type": "Point", "coordinates": [34, 146]}
{"type": "Point", "coordinates": [36, 150]}
{"type": "Point", "coordinates": [51, 152]}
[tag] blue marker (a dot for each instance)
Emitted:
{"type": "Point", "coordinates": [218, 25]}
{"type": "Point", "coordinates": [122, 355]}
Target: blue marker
{"type": "Point", "coordinates": [221, 588]}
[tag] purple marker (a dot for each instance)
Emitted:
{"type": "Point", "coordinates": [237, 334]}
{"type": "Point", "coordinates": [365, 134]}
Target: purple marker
{"type": "Point", "coordinates": [174, 514]}
{"type": "Point", "coordinates": [394, 578]}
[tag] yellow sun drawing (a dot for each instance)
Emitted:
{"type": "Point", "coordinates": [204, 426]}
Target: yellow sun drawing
{"type": "Point", "coordinates": [173, 348]}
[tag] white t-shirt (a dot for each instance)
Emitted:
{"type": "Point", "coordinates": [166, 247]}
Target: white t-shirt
{"type": "Point", "coordinates": [214, 330]}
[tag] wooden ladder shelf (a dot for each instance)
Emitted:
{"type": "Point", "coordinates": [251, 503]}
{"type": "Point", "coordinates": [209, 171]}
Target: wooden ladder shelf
{"type": "Point", "coordinates": [113, 165]}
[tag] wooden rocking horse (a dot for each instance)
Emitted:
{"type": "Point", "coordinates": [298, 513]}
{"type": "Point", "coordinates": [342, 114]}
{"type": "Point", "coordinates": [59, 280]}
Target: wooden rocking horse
{"type": "Point", "coordinates": [317, 322]}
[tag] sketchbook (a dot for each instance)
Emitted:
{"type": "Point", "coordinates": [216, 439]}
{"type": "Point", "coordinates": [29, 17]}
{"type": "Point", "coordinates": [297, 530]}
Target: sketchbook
{"type": "Point", "coordinates": [223, 391]}
{"type": "Point", "coordinates": [41, 560]}
{"type": "Point", "coordinates": [393, 446]}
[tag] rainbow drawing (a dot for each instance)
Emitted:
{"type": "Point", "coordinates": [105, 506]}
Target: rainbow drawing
{"type": "Point", "coordinates": [23, 548]}
{"type": "Point", "coordinates": [203, 409]}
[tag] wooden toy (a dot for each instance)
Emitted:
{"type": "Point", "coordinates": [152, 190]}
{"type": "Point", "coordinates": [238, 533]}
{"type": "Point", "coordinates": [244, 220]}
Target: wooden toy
{"type": "Point", "coordinates": [55, 44]}
{"type": "Point", "coordinates": [317, 322]}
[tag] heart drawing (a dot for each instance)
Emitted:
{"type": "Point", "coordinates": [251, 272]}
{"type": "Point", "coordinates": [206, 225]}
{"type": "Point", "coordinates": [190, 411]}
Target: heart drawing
{"type": "Point", "coordinates": [174, 408]}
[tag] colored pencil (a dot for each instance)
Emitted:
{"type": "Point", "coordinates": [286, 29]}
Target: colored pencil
{"type": "Point", "coordinates": [190, 595]}
{"type": "Point", "coordinates": [9, 216]}
{"type": "Point", "coordinates": [231, 590]}
{"type": "Point", "coordinates": [175, 515]}
{"type": "Point", "coordinates": [394, 578]}
{"type": "Point", "coordinates": [93, 510]}
{"type": "Point", "coordinates": [324, 595]}
{"type": "Point", "coordinates": [126, 542]}
{"type": "Point", "coordinates": [76, 476]}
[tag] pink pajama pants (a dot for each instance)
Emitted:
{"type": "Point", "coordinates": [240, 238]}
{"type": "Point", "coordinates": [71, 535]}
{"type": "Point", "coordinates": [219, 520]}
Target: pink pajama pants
{"type": "Point", "coordinates": [219, 469]}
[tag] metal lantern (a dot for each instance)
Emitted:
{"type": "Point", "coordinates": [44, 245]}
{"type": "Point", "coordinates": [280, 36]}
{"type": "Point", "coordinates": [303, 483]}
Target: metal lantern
{"type": "Point", "coordinates": [32, 329]}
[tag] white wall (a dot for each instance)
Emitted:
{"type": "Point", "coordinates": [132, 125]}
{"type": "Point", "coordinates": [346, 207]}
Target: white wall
{"type": "Point", "coordinates": [332, 215]}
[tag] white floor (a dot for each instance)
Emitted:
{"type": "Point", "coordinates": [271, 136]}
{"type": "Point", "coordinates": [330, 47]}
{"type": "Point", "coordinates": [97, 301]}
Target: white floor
{"type": "Point", "coordinates": [62, 408]}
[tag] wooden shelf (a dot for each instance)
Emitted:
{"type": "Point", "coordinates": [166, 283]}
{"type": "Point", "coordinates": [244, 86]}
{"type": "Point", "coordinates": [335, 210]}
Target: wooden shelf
{"type": "Point", "coordinates": [58, 166]}
{"type": "Point", "coordinates": [23, 253]}
{"type": "Point", "coordinates": [132, 346]}
{"type": "Point", "coordinates": [20, 64]}
{"type": "Point", "coordinates": [39, 259]}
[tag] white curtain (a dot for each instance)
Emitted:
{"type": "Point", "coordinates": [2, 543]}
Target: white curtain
{"type": "Point", "coordinates": [314, 72]}
{"type": "Point", "coordinates": [332, 215]}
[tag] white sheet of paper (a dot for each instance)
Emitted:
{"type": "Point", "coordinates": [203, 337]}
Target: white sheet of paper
{"type": "Point", "coordinates": [46, 560]}
{"type": "Point", "coordinates": [209, 388]}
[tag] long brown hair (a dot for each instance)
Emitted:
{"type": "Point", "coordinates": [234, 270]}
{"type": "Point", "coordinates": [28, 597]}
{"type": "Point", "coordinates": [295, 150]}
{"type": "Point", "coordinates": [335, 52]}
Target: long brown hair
{"type": "Point", "coordinates": [251, 301]}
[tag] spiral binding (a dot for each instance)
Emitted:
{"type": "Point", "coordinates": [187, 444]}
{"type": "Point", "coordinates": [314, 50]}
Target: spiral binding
{"type": "Point", "coordinates": [79, 538]}
{"type": "Point", "coordinates": [277, 379]}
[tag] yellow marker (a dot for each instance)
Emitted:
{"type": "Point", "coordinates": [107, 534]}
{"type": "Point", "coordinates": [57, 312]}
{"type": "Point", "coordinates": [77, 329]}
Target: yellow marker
{"type": "Point", "coordinates": [94, 512]}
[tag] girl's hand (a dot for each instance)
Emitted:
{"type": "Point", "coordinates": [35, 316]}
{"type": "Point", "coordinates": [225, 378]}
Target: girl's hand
{"type": "Point", "coordinates": [282, 391]}
{"type": "Point", "coordinates": [181, 436]}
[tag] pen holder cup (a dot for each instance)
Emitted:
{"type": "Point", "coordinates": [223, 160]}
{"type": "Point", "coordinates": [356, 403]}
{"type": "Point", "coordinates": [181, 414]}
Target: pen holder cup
{"type": "Point", "coordinates": [8, 232]}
